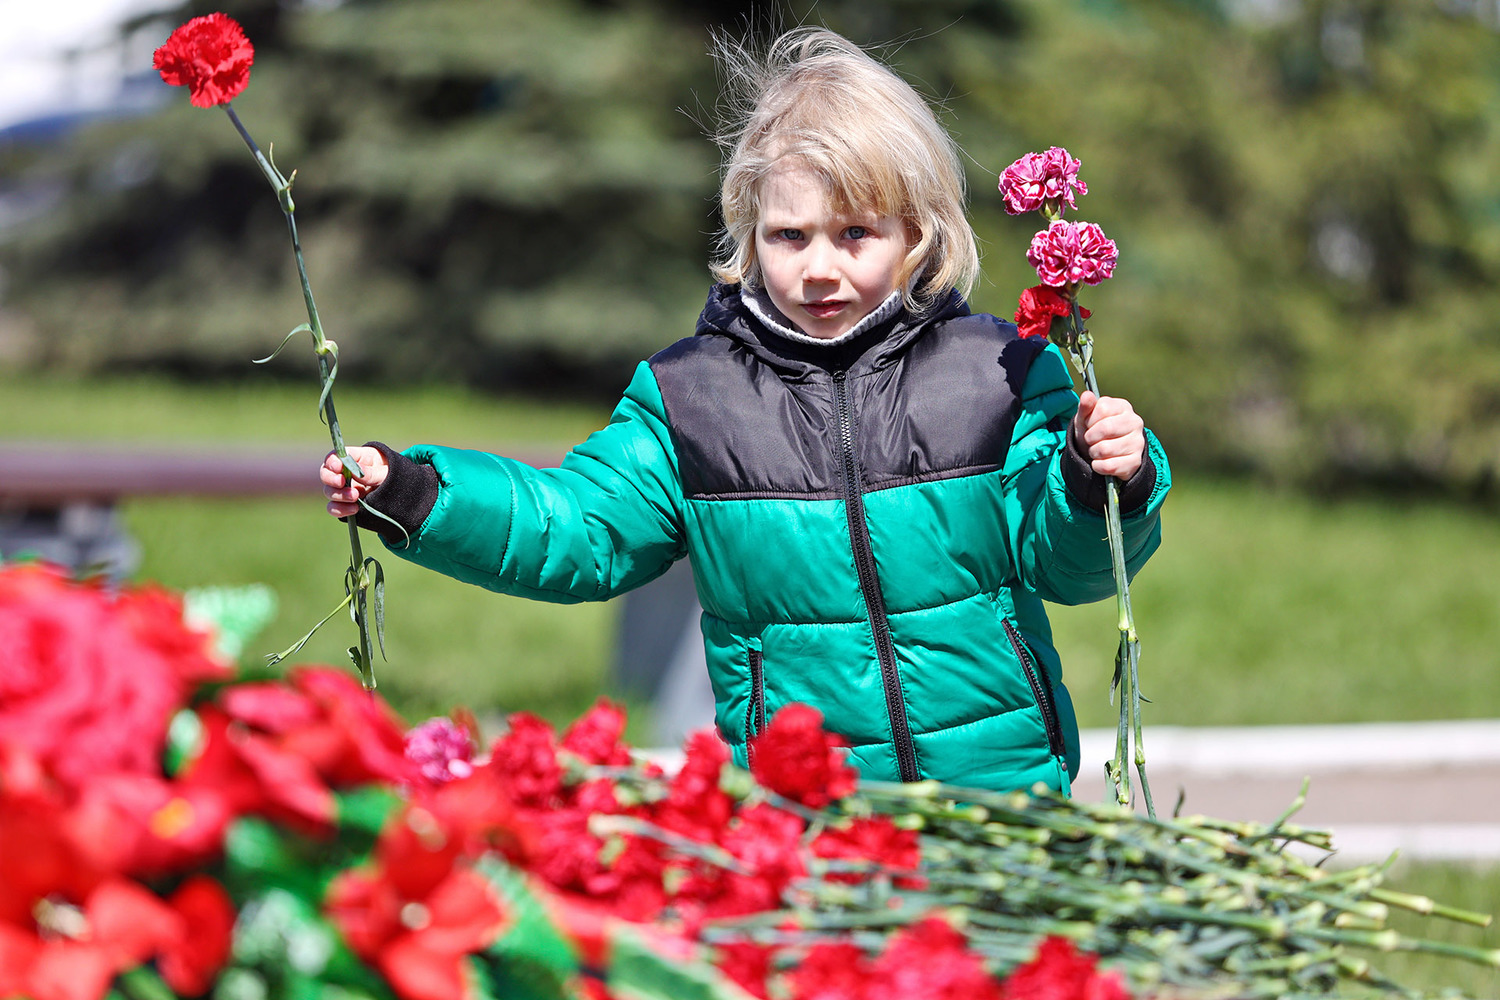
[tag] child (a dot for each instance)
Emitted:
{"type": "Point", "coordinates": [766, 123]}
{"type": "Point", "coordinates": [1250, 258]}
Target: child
{"type": "Point", "coordinates": [876, 489]}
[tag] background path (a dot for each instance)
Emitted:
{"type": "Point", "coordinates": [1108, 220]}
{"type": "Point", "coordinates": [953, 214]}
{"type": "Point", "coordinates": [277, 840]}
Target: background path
{"type": "Point", "coordinates": [1428, 789]}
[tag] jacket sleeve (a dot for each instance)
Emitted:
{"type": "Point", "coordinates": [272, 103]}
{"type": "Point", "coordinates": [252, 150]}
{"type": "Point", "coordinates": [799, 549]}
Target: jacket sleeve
{"type": "Point", "coordinates": [608, 519]}
{"type": "Point", "coordinates": [1058, 539]}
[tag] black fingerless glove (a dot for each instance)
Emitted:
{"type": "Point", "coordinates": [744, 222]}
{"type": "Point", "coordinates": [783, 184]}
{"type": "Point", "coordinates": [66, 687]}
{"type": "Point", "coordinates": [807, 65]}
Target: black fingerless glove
{"type": "Point", "coordinates": [1087, 486]}
{"type": "Point", "coordinates": [406, 496]}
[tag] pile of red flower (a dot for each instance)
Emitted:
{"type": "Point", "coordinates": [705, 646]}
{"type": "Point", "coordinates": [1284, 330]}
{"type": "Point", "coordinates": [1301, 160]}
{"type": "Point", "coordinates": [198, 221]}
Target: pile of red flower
{"type": "Point", "coordinates": [168, 829]}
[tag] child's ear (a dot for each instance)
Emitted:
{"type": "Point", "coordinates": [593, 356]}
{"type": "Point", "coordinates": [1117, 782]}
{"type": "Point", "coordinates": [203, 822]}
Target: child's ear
{"type": "Point", "coordinates": [913, 233]}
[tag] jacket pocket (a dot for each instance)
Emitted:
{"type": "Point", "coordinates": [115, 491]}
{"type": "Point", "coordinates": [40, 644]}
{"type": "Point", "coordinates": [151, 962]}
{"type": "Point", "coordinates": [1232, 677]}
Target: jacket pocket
{"type": "Point", "coordinates": [755, 709]}
{"type": "Point", "coordinates": [1041, 688]}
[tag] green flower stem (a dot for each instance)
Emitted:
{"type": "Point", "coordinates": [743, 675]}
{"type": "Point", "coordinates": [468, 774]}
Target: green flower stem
{"type": "Point", "coordinates": [359, 581]}
{"type": "Point", "coordinates": [602, 825]}
{"type": "Point", "coordinates": [1253, 867]}
{"type": "Point", "coordinates": [1208, 909]}
{"type": "Point", "coordinates": [1427, 907]}
{"type": "Point", "coordinates": [1128, 738]}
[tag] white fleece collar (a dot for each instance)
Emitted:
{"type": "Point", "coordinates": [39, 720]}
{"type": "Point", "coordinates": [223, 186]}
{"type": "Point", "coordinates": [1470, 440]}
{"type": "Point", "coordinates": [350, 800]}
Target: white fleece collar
{"type": "Point", "coordinates": [760, 305]}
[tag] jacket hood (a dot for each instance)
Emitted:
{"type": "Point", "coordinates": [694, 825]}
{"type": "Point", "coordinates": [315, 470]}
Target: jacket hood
{"type": "Point", "coordinates": [725, 314]}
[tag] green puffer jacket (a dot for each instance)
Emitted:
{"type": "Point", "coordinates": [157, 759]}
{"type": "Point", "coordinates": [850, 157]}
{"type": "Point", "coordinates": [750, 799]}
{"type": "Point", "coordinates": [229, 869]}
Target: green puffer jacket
{"type": "Point", "coordinates": [873, 528]}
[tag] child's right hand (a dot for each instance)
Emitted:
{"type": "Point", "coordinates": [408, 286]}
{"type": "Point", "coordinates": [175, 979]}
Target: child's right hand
{"type": "Point", "coordinates": [344, 493]}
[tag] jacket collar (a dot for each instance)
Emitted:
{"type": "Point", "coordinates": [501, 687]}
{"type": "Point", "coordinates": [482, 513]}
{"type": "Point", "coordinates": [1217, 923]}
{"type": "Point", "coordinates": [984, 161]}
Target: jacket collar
{"type": "Point", "coordinates": [873, 346]}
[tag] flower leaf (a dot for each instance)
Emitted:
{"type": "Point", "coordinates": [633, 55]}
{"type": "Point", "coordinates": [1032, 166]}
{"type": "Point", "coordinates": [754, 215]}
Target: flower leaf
{"type": "Point", "coordinates": [377, 585]}
{"type": "Point", "coordinates": [299, 328]}
{"type": "Point", "coordinates": [333, 373]}
{"type": "Point", "coordinates": [365, 808]}
{"type": "Point", "coordinates": [637, 970]}
{"type": "Point", "coordinates": [405, 535]}
{"type": "Point", "coordinates": [142, 983]}
{"type": "Point", "coordinates": [533, 944]}
{"type": "Point", "coordinates": [185, 740]}
{"type": "Point", "coordinates": [274, 658]}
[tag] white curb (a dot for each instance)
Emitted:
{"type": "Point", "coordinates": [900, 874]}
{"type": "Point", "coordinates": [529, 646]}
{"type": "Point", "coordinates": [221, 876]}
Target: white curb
{"type": "Point", "coordinates": [1279, 750]}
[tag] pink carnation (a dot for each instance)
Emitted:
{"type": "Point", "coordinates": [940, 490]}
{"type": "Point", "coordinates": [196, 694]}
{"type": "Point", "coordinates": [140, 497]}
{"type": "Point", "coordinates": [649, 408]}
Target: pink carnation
{"type": "Point", "coordinates": [1066, 253]}
{"type": "Point", "coordinates": [442, 749]}
{"type": "Point", "coordinates": [1038, 178]}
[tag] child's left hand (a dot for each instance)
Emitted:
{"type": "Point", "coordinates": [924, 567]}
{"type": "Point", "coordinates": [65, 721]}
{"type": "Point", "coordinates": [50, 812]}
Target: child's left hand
{"type": "Point", "coordinates": [1111, 435]}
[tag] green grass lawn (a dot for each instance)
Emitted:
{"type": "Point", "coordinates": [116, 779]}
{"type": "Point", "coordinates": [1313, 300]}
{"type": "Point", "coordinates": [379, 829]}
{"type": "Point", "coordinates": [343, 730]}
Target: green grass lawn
{"type": "Point", "coordinates": [1261, 607]}
{"type": "Point", "coordinates": [1264, 607]}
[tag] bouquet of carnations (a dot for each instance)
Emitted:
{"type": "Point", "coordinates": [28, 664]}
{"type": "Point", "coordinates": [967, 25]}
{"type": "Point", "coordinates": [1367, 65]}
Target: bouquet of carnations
{"type": "Point", "coordinates": [169, 828]}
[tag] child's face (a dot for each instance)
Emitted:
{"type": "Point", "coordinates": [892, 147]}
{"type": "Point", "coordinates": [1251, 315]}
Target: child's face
{"type": "Point", "coordinates": [825, 272]}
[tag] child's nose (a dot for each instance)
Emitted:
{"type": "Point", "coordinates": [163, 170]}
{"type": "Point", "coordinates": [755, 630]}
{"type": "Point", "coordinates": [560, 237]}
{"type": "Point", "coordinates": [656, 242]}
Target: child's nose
{"type": "Point", "coordinates": [821, 263]}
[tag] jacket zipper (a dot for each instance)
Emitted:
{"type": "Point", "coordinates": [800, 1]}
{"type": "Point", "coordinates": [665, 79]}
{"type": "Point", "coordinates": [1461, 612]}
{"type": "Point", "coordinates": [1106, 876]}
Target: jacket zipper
{"type": "Point", "coordinates": [755, 712]}
{"type": "Point", "coordinates": [869, 584]}
{"type": "Point", "coordinates": [1041, 689]}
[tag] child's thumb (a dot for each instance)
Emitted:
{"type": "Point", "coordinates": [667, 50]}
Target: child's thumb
{"type": "Point", "coordinates": [1086, 404]}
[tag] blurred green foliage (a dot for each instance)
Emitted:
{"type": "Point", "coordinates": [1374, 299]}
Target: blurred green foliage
{"type": "Point", "coordinates": [509, 193]}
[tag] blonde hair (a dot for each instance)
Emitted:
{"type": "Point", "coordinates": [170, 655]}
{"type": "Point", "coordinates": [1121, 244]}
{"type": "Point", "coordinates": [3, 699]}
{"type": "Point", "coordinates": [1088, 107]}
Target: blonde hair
{"type": "Point", "coordinates": [819, 98]}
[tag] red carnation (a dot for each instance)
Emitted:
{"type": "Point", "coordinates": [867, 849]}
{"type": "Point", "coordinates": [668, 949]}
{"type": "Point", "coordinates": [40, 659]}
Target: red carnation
{"type": "Point", "coordinates": [834, 971]}
{"type": "Point", "coordinates": [140, 824]}
{"type": "Point", "coordinates": [209, 55]}
{"type": "Point", "coordinates": [695, 805]}
{"type": "Point", "coordinates": [89, 679]}
{"type": "Point", "coordinates": [595, 736]}
{"type": "Point", "coordinates": [525, 759]}
{"type": "Point", "coordinates": [877, 841]}
{"type": "Point", "coordinates": [281, 747]}
{"type": "Point", "coordinates": [253, 774]}
{"type": "Point", "coordinates": [767, 844]}
{"type": "Point", "coordinates": [929, 960]}
{"type": "Point", "coordinates": [70, 949]}
{"type": "Point", "coordinates": [356, 736]}
{"type": "Point", "coordinates": [795, 757]}
{"type": "Point", "coordinates": [1039, 306]}
{"type": "Point", "coordinates": [1062, 972]}
{"type": "Point", "coordinates": [191, 964]}
{"type": "Point", "coordinates": [418, 910]}
{"type": "Point", "coordinates": [747, 964]}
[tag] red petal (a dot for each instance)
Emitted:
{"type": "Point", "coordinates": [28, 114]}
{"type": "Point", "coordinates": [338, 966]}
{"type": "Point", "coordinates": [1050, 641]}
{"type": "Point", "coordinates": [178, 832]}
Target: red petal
{"type": "Point", "coordinates": [131, 922]}
{"type": "Point", "coordinates": [18, 951]}
{"type": "Point", "coordinates": [365, 910]}
{"type": "Point", "coordinates": [67, 970]}
{"type": "Point", "coordinates": [418, 974]}
{"type": "Point", "coordinates": [465, 915]}
{"type": "Point", "coordinates": [286, 779]}
{"type": "Point", "coordinates": [272, 707]}
{"type": "Point", "coordinates": [191, 965]}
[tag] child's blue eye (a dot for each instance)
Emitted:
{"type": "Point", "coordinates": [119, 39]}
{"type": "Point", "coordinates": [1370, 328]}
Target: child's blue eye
{"type": "Point", "coordinates": [789, 234]}
{"type": "Point", "coordinates": [856, 232]}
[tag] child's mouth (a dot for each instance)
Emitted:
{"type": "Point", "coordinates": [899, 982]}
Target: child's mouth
{"type": "Point", "coordinates": [823, 310]}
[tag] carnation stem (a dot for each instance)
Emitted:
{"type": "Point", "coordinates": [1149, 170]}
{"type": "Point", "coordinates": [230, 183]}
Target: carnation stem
{"type": "Point", "coordinates": [364, 581]}
{"type": "Point", "coordinates": [1128, 737]}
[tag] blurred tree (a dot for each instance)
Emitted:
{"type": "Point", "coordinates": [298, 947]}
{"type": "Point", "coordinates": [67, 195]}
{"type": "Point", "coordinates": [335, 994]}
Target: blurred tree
{"type": "Point", "coordinates": [492, 190]}
{"type": "Point", "coordinates": [513, 193]}
{"type": "Point", "coordinates": [1304, 197]}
